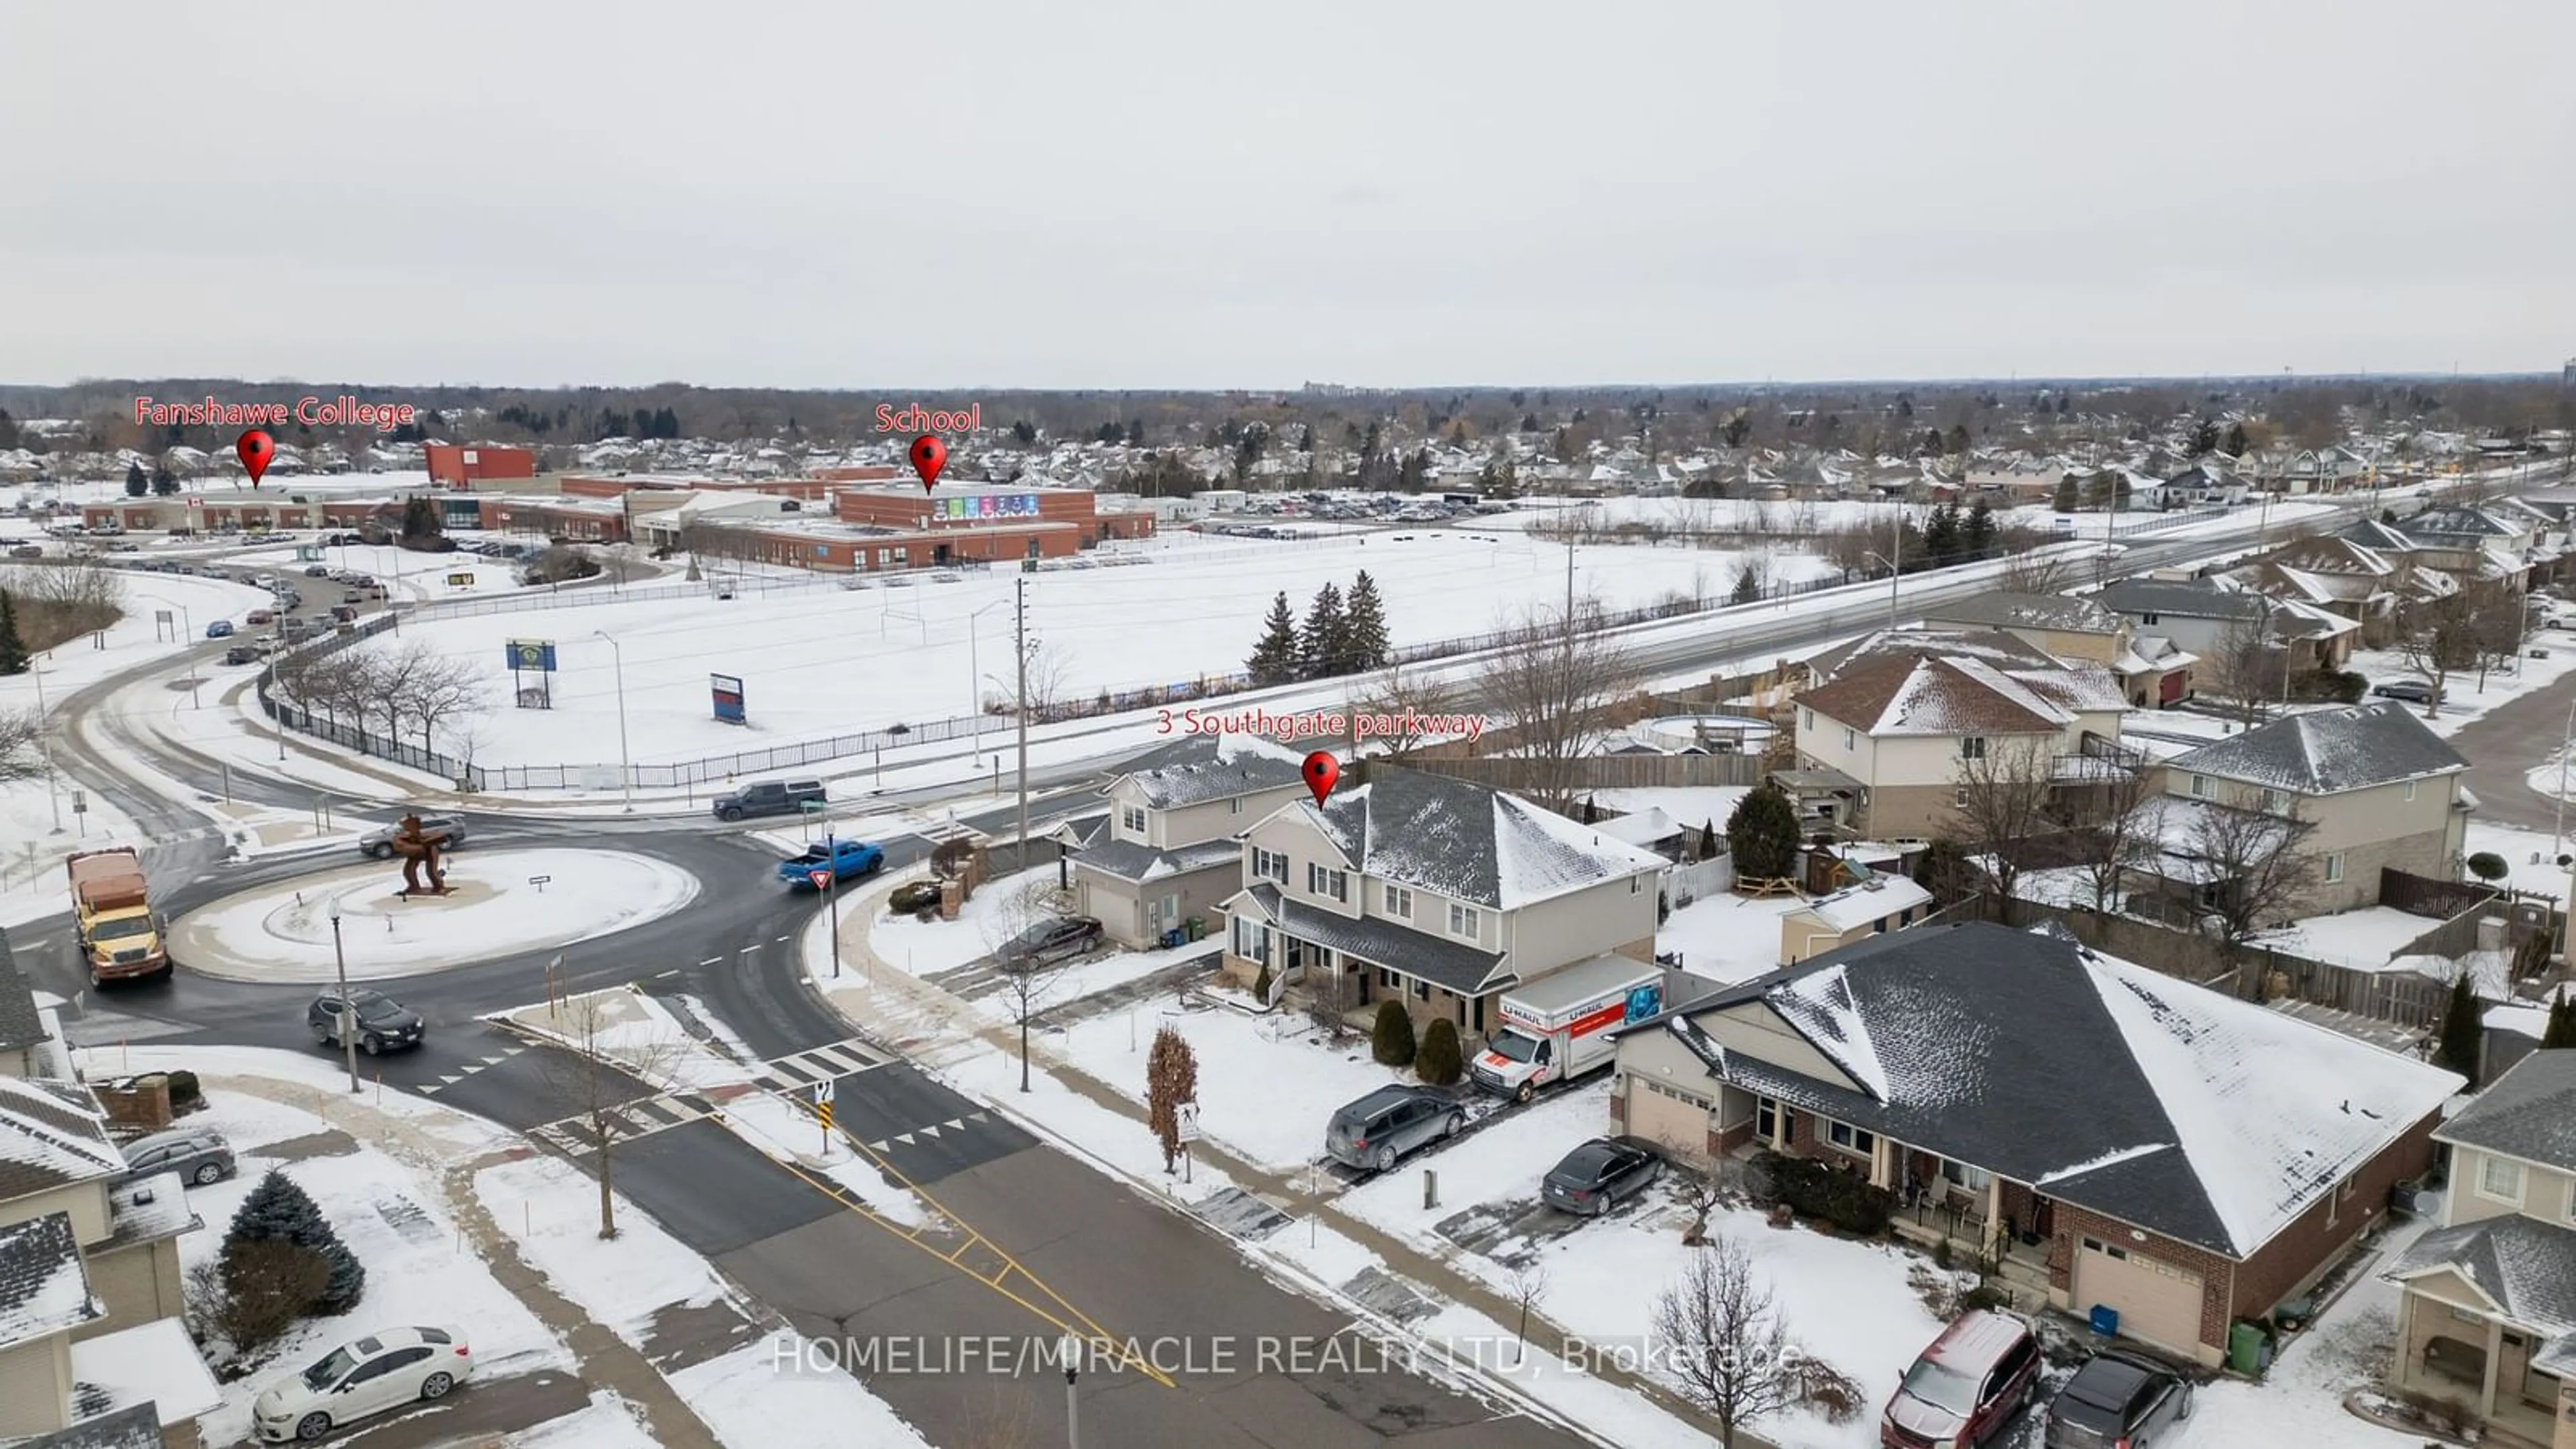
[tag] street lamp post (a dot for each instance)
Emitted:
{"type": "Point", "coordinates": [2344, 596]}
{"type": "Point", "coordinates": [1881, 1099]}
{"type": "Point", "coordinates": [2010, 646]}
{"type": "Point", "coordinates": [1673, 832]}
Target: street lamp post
{"type": "Point", "coordinates": [975, 695]}
{"type": "Point", "coordinates": [625, 761]}
{"type": "Point", "coordinates": [1072, 1352]}
{"type": "Point", "coordinates": [1893, 575]}
{"type": "Point", "coordinates": [2566, 742]}
{"type": "Point", "coordinates": [348, 1015]}
{"type": "Point", "coordinates": [45, 741]}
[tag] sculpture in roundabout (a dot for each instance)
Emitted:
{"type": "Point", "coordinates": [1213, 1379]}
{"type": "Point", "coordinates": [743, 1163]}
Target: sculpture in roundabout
{"type": "Point", "coordinates": [419, 849]}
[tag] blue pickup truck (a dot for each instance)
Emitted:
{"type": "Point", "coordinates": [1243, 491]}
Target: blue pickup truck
{"type": "Point", "coordinates": [846, 860]}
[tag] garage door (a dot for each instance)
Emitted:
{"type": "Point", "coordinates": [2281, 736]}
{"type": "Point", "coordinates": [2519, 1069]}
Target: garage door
{"type": "Point", "coordinates": [2158, 1303]}
{"type": "Point", "coordinates": [1668, 1116]}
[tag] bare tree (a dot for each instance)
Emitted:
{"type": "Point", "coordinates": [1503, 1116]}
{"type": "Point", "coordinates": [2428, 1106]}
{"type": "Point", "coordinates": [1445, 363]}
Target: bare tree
{"type": "Point", "coordinates": [2503, 623]}
{"type": "Point", "coordinates": [2006, 786]}
{"type": "Point", "coordinates": [2254, 864]}
{"type": "Point", "coordinates": [1552, 678]}
{"type": "Point", "coordinates": [1011, 924]}
{"type": "Point", "coordinates": [1393, 692]}
{"type": "Point", "coordinates": [2248, 667]}
{"type": "Point", "coordinates": [2439, 637]}
{"type": "Point", "coordinates": [2031, 571]}
{"type": "Point", "coordinates": [63, 598]}
{"type": "Point", "coordinates": [443, 690]}
{"type": "Point", "coordinates": [22, 745]}
{"type": "Point", "coordinates": [1171, 1082]}
{"type": "Point", "coordinates": [1049, 676]}
{"type": "Point", "coordinates": [2127, 826]}
{"type": "Point", "coordinates": [1724, 1339]}
{"type": "Point", "coordinates": [1526, 1285]}
{"type": "Point", "coordinates": [594, 1069]}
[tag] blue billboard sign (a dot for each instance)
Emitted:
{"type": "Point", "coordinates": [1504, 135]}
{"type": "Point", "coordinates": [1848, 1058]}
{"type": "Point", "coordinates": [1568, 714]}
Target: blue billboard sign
{"type": "Point", "coordinates": [728, 697]}
{"type": "Point", "coordinates": [537, 654]}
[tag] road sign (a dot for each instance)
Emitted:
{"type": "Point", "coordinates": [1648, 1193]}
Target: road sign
{"type": "Point", "coordinates": [823, 1114]}
{"type": "Point", "coordinates": [1188, 1113]}
{"type": "Point", "coordinates": [820, 877]}
{"type": "Point", "coordinates": [823, 1092]}
{"type": "Point", "coordinates": [813, 807]}
{"type": "Point", "coordinates": [460, 581]}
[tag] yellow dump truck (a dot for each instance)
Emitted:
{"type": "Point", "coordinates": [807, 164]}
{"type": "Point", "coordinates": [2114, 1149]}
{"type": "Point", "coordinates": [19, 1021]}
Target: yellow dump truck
{"type": "Point", "coordinates": [120, 935]}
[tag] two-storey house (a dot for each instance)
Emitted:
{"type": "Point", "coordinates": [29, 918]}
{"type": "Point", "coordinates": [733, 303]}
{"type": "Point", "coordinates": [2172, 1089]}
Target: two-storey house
{"type": "Point", "coordinates": [1893, 726]}
{"type": "Point", "coordinates": [1167, 850]}
{"type": "Point", "coordinates": [2208, 617]}
{"type": "Point", "coordinates": [2487, 1316]}
{"type": "Point", "coordinates": [2346, 577]}
{"type": "Point", "coordinates": [1439, 893]}
{"type": "Point", "coordinates": [2152, 670]}
{"type": "Point", "coordinates": [2364, 786]}
{"type": "Point", "coordinates": [2470, 543]}
{"type": "Point", "coordinates": [2208, 483]}
{"type": "Point", "coordinates": [2116, 1138]}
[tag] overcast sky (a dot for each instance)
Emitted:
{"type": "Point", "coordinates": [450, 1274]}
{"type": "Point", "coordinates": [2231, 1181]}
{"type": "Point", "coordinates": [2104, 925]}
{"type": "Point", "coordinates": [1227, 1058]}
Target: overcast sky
{"type": "Point", "coordinates": [845, 194]}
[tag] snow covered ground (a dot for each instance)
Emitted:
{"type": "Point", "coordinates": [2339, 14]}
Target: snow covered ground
{"type": "Point", "coordinates": [782, 1392]}
{"type": "Point", "coordinates": [920, 652]}
{"type": "Point", "coordinates": [2465, 698]}
{"type": "Point", "coordinates": [2531, 856]}
{"type": "Point", "coordinates": [499, 901]}
{"type": "Point", "coordinates": [1727, 938]}
{"type": "Point", "coordinates": [2364, 939]}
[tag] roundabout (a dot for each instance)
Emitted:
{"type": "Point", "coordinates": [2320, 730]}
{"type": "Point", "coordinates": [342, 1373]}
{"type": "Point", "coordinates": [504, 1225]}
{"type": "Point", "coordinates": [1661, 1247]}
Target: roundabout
{"type": "Point", "coordinates": [498, 903]}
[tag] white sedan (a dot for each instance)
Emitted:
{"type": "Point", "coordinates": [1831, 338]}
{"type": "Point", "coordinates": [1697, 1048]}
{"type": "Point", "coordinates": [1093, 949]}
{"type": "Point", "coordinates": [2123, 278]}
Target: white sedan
{"type": "Point", "coordinates": [385, 1370]}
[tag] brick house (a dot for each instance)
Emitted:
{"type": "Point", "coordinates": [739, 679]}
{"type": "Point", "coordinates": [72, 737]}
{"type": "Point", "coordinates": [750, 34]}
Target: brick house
{"type": "Point", "coordinates": [2369, 785]}
{"type": "Point", "coordinates": [2116, 1138]}
{"type": "Point", "coordinates": [1439, 893]}
{"type": "Point", "coordinates": [2487, 1316]}
{"type": "Point", "coordinates": [1167, 850]}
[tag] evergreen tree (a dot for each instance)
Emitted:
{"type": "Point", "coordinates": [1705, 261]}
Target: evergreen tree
{"type": "Point", "coordinates": [1364, 641]}
{"type": "Point", "coordinates": [2235, 444]}
{"type": "Point", "coordinates": [1391, 1036]}
{"type": "Point", "coordinates": [1763, 834]}
{"type": "Point", "coordinates": [2065, 501]}
{"type": "Point", "coordinates": [2204, 439]}
{"type": "Point", "coordinates": [2561, 1030]}
{"type": "Point", "coordinates": [279, 1211]}
{"type": "Point", "coordinates": [1136, 432]}
{"type": "Point", "coordinates": [1941, 535]}
{"type": "Point", "coordinates": [1958, 440]}
{"type": "Point", "coordinates": [1275, 658]}
{"type": "Point", "coordinates": [2462, 1032]}
{"type": "Point", "coordinates": [137, 482]}
{"type": "Point", "coordinates": [1325, 642]}
{"type": "Point", "coordinates": [1591, 811]}
{"type": "Point", "coordinates": [164, 482]}
{"type": "Point", "coordinates": [420, 520]}
{"type": "Point", "coordinates": [1748, 583]}
{"type": "Point", "coordinates": [1708, 840]}
{"type": "Point", "coordinates": [13, 650]}
{"type": "Point", "coordinates": [1977, 533]}
{"type": "Point", "coordinates": [1438, 1060]}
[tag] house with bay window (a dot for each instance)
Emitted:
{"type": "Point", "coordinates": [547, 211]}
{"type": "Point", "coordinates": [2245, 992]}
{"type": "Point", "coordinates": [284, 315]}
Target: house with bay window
{"type": "Point", "coordinates": [2116, 1138]}
{"type": "Point", "coordinates": [1166, 851]}
{"type": "Point", "coordinates": [1439, 893]}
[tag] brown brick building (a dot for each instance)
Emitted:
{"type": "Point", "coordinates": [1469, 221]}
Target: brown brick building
{"type": "Point", "coordinates": [461, 465]}
{"type": "Point", "coordinates": [2118, 1139]}
{"type": "Point", "coordinates": [965, 508]}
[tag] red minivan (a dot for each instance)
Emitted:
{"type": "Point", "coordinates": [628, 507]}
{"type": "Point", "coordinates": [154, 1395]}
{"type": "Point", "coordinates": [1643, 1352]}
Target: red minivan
{"type": "Point", "coordinates": [1965, 1387]}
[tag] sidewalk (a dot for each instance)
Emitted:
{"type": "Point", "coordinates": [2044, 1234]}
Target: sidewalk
{"type": "Point", "coordinates": [936, 1028]}
{"type": "Point", "coordinates": [602, 1359]}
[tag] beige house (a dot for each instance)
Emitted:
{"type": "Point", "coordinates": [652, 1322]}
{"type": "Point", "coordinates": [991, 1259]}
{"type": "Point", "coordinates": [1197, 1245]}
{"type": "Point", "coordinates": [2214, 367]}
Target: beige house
{"type": "Point", "coordinates": [1439, 893]}
{"type": "Point", "coordinates": [2359, 787]}
{"type": "Point", "coordinates": [1895, 725]}
{"type": "Point", "coordinates": [1874, 907]}
{"type": "Point", "coordinates": [2084, 1121]}
{"type": "Point", "coordinates": [2152, 671]}
{"type": "Point", "coordinates": [1166, 852]}
{"type": "Point", "coordinates": [2345, 577]}
{"type": "Point", "coordinates": [31, 1038]}
{"type": "Point", "coordinates": [89, 1274]}
{"type": "Point", "coordinates": [2487, 1317]}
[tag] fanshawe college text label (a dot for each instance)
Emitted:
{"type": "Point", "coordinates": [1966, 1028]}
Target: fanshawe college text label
{"type": "Point", "coordinates": [311, 412]}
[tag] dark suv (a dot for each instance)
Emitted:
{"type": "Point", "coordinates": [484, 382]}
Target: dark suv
{"type": "Point", "coordinates": [2119, 1400]}
{"type": "Point", "coordinates": [769, 797]}
{"type": "Point", "coordinates": [382, 1023]}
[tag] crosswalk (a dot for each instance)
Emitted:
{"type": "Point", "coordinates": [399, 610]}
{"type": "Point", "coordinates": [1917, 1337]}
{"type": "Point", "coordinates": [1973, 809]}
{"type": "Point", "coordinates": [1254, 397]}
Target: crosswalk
{"type": "Point", "coordinates": [578, 1136]}
{"type": "Point", "coordinates": [467, 1069]}
{"type": "Point", "coordinates": [797, 1075]}
{"type": "Point", "coordinates": [930, 1133]}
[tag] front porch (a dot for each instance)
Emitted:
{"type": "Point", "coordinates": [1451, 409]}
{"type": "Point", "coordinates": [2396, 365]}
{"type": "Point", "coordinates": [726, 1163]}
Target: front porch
{"type": "Point", "coordinates": [2490, 1368]}
{"type": "Point", "coordinates": [1348, 964]}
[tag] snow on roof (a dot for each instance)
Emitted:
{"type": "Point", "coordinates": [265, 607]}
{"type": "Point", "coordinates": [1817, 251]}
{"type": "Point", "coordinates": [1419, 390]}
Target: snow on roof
{"type": "Point", "coordinates": [1467, 841]}
{"type": "Point", "coordinates": [151, 1363]}
{"type": "Point", "coordinates": [1872, 900]}
{"type": "Point", "coordinates": [51, 1134]}
{"type": "Point", "coordinates": [44, 1289]}
{"type": "Point", "coordinates": [2327, 751]}
{"type": "Point", "coordinates": [2095, 1164]}
{"type": "Point", "coordinates": [1641, 827]}
{"type": "Point", "coordinates": [2211, 1060]}
{"type": "Point", "coordinates": [1822, 1006]}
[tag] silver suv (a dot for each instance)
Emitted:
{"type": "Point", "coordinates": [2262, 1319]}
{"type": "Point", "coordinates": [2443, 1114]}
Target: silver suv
{"type": "Point", "coordinates": [447, 830]}
{"type": "Point", "coordinates": [1388, 1123]}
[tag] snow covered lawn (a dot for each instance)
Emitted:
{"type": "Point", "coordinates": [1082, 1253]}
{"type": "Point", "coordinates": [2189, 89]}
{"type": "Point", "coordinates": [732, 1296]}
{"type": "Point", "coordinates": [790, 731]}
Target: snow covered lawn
{"type": "Point", "coordinates": [2300, 1399]}
{"type": "Point", "coordinates": [2518, 847]}
{"type": "Point", "coordinates": [2363, 939]}
{"type": "Point", "coordinates": [2465, 698]}
{"type": "Point", "coordinates": [991, 916]}
{"type": "Point", "coordinates": [783, 1391]}
{"type": "Point", "coordinates": [551, 1210]}
{"type": "Point", "coordinates": [1726, 937]}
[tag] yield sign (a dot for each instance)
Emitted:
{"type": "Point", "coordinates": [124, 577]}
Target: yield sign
{"type": "Point", "coordinates": [820, 878]}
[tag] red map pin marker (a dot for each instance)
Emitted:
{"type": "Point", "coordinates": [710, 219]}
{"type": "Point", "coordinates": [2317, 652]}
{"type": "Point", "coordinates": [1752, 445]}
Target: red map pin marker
{"type": "Point", "coordinates": [254, 449]}
{"type": "Point", "coordinates": [1322, 773]}
{"type": "Point", "coordinates": [929, 455]}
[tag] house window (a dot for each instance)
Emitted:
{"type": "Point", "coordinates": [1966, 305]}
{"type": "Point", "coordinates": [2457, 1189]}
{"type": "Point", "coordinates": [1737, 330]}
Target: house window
{"type": "Point", "coordinates": [1251, 939]}
{"type": "Point", "coordinates": [2500, 1178]}
{"type": "Point", "coordinates": [1810, 718]}
{"type": "Point", "coordinates": [1959, 796]}
{"type": "Point", "coordinates": [1132, 817]}
{"type": "Point", "coordinates": [1636, 885]}
{"type": "Point", "coordinates": [2276, 802]}
{"type": "Point", "coordinates": [1766, 1119]}
{"type": "Point", "coordinates": [1974, 1179]}
{"type": "Point", "coordinates": [1422, 991]}
{"type": "Point", "coordinates": [1333, 883]}
{"type": "Point", "coordinates": [2200, 787]}
{"type": "Point", "coordinates": [1234, 806]}
{"type": "Point", "coordinates": [2147, 617]}
{"type": "Point", "coordinates": [1850, 1139]}
{"type": "Point", "coordinates": [1972, 747]}
{"type": "Point", "coordinates": [2410, 790]}
{"type": "Point", "coordinates": [1851, 741]}
{"type": "Point", "coordinates": [1463, 922]}
{"type": "Point", "coordinates": [2334, 868]}
{"type": "Point", "coordinates": [1386, 980]}
{"type": "Point", "coordinates": [1269, 865]}
{"type": "Point", "coordinates": [1399, 903]}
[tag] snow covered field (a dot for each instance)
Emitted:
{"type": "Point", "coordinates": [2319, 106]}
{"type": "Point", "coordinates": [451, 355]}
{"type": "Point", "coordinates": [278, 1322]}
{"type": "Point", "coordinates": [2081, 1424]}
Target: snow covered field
{"type": "Point", "coordinates": [816, 664]}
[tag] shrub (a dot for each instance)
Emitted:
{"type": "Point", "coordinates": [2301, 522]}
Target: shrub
{"type": "Point", "coordinates": [278, 1211]}
{"type": "Point", "coordinates": [257, 1292]}
{"type": "Point", "coordinates": [1986, 1296]}
{"type": "Point", "coordinates": [1391, 1039]}
{"type": "Point", "coordinates": [1439, 1061]}
{"type": "Point", "coordinates": [2488, 866]}
{"type": "Point", "coordinates": [1763, 834]}
{"type": "Point", "coordinates": [184, 1091]}
{"type": "Point", "coordinates": [1819, 1190]}
{"type": "Point", "coordinates": [561, 564]}
{"type": "Point", "coordinates": [1820, 1386]}
{"type": "Point", "coordinates": [1663, 907]}
{"type": "Point", "coordinates": [1261, 985]}
{"type": "Point", "coordinates": [1941, 1255]}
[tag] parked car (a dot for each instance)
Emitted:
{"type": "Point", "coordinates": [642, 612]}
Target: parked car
{"type": "Point", "coordinates": [383, 1023]}
{"type": "Point", "coordinates": [919, 895]}
{"type": "Point", "coordinates": [317, 571]}
{"type": "Point", "coordinates": [344, 613]}
{"type": "Point", "coordinates": [197, 1154]}
{"type": "Point", "coordinates": [241, 654]}
{"type": "Point", "coordinates": [1966, 1387]}
{"type": "Point", "coordinates": [1048, 941]}
{"type": "Point", "coordinates": [2413, 691]}
{"type": "Point", "coordinates": [390, 1369]}
{"type": "Point", "coordinates": [2119, 1402]}
{"type": "Point", "coordinates": [1388, 1123]}
{"type": "Point", "coordinates": [257, 617]}
{"type": "Point", "coordinates": [447, 830]}
{"type": "Point", "coordinates": [220, 629]}
{"type": "Point", "coordinates": [1599, 1175]}
{"type": "Point", "coordinates": [769, 797]}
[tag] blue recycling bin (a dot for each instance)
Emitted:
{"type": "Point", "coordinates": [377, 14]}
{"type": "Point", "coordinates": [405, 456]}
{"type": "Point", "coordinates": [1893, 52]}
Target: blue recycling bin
{"type": "Point", "coordinates": [2106, 1320]}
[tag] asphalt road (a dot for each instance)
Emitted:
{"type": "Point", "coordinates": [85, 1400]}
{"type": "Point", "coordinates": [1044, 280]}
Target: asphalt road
{"type": "Point", "coordinates": [2505, 744]}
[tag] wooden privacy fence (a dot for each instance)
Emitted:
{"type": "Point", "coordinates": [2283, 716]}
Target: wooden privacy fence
{"type": "Point", "coordinates": [2405, 998]}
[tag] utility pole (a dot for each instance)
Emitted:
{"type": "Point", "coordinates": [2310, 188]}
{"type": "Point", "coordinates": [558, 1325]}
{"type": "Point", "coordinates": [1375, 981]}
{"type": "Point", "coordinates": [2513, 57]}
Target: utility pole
{"type": "Point", "coordinates": [1020, 649]}
{"type": "Point", "coordinates": [45, 740]}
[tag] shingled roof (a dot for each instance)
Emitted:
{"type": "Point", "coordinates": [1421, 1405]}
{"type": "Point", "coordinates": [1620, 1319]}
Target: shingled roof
{"type": "Point", "coordinates": [51, 1134]}
{"type": "Point", "coordinates": [1994, 646]}
{"type": "Point", "coordinates": [2005, 610]}
{"type": "Point", "coordinates": [2182, 598]}
{"type": "Point", "coordinates": [1199, 768]}
{"type": "Point", "coordinates": [2328, 751]}
{"type": "Point", "coordinates": [2144, 1117]}
{"type": "Point", "coordinates": [2529, 1113]}
{"type": "Point", "coordinates": [1916, 694]}
{"type": "Point", "coordinates": [1467, 841]}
